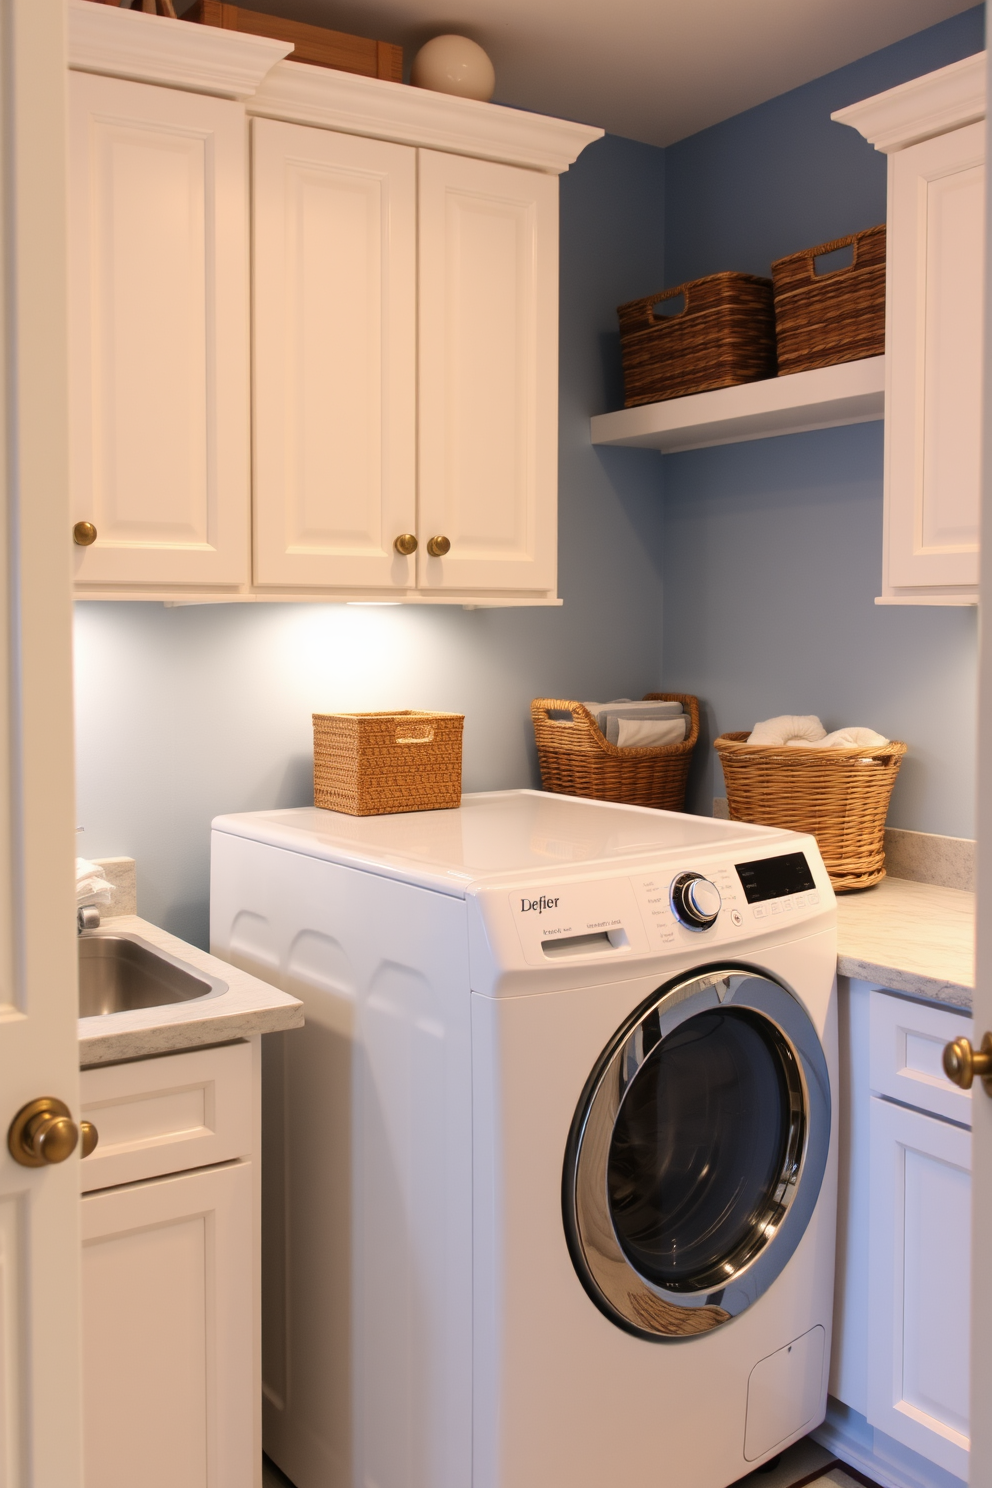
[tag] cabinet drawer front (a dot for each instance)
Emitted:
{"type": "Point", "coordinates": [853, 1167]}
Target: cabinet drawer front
{"type": "Point", "coordinates": [165, 1115]}
{"type": "Point", "coordinates": [158, 334]}
{"type": "Point", "coordinates": [170, 1380]}
{"type": "Point", "coordinates": [919, 1274]}
{"type": "Point", "coordinates": [907, 1043]}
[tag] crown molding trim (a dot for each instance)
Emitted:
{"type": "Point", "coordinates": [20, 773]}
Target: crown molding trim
{"type": "Point", "coordinates": [303, 94]}
{"type": "Point", "coordinates": [925, 106]}
{"type": "Point", "coordinates": [174, 54]}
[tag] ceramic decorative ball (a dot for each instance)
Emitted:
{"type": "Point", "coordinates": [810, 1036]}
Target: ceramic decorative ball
{"type": "Point", "coordinates": [453, 64]}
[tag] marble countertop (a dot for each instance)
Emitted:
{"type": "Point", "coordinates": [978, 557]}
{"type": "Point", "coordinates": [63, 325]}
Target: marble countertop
{"type": "Point", "coordinates": [912, 937]}
{"type": "Point", "coordinates": [248, 1007]}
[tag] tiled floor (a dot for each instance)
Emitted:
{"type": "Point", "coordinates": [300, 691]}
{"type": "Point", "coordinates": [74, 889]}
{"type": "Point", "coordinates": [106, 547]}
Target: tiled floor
{"type": "Point", "coordinates": [806, 1465]}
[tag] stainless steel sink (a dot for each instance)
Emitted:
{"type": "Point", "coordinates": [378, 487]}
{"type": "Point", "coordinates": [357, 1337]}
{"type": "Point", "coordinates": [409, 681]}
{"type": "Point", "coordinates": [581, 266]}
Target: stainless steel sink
{"type": "Point", "coordinates": [119, 971]}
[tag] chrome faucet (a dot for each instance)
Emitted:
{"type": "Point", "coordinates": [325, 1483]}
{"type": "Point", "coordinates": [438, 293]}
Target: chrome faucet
{"type": "Point", "coordinates": [87, 918]}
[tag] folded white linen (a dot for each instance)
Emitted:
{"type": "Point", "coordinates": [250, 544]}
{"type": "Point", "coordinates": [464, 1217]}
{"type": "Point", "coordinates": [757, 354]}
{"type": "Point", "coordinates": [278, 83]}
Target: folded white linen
{"type": "Point", "coordinates": [787, 728]}
{"type": "Point", "coordinates": [91, 886]}
{"type": "Point", "coordinates": [641, 733]}
{"type": "Point", "coordinates": [609, 721]}
{"type": "Point", "coordinates": [626, 708]}
{"type": "Point", "coordinates": [852, 738]}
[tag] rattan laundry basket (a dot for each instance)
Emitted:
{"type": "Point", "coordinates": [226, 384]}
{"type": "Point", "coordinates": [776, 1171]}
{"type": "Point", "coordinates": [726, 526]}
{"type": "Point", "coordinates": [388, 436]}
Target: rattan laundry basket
{"type": "Point", "coordinates": [372, 764]}
{"type": "Point", "coordinates": [576, 760]}
{"type": "Point", "coordinates": [841, 796]}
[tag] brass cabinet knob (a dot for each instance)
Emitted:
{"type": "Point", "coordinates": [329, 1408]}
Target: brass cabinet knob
{"type": "Point", "coordinates": [83, 534]}
{"type": "Point", "coordinates": [42, 1132]}
{"type": "Point", "coordinates": [438, 546]}
{"type": "Point", "coordinates": [405, 544]}
{"type": "Point", "coordinates": [89, 1136]}
{"type": "Point", "coordinates": [962, 1063]}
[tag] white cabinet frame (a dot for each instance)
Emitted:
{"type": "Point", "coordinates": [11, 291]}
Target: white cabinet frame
{"type": "Point", "coordinates": [465, 403]}
{"type": "Point", "coordinates": [931, 130]}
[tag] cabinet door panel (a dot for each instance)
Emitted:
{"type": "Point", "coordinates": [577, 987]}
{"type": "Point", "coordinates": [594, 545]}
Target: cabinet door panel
{"type": "Point", "coordinates": [158, 333]}
{"type": "Point", "coordinates": [169, 1359]}
{"type": "Point", "coordinates": [933, 411]}
{"type": "Point", "coordinates": [334, 290]}
{"type": "Point", "coordinates": [488, 374]}
{"type": "Point", "coordinates": [919, 1283]}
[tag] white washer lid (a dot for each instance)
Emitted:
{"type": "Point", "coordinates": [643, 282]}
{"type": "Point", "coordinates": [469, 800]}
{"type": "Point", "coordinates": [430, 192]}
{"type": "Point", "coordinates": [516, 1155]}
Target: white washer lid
{"type": "Point", "coordinates": [494, 836]}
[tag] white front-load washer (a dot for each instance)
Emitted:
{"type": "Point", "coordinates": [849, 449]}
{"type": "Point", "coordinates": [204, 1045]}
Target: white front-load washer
{"type": "Point", "coordinates": [549, 1183]}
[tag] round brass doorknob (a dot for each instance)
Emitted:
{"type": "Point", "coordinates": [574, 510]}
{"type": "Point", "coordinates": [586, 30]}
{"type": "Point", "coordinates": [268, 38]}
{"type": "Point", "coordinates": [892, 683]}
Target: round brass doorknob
{"type": "Point", "coordinates": [83, 534]}
{"type": "Point", "coordinates": [405, 544]}
{"type": "Point", "coordinates": [962, 1063]}
{"type": "Point", "coordinates": [42, 1132]}
{"type": "Point", "coordinates": [438, 546]}
{"type": "Point", "coordinates": [89, 1137]}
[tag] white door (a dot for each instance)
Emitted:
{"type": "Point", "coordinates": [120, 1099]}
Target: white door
{"type": "Point", "coordinates": [981, 1154]}
{"type": "Point", "coordinates": [39, 1206]}
{"type": "Point", "coordinates": [488, 339]}
{"type": "Point", "coordinates": [158, 334]}
{"type": "Point", "coordinates": [334, 295]}
{"type": "Point", "coordinates": [934, 364]}
{"type": "Point", "coordinates": [168, 1357]}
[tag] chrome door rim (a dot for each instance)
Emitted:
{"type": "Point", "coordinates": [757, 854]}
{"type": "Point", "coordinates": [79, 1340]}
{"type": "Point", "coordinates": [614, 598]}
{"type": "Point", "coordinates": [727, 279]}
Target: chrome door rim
{"type": "Point", "coordinates": [627, 1298]}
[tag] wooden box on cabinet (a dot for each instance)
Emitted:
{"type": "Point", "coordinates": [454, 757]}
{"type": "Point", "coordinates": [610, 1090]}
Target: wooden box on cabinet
{"type": "Point", "coordinates": [931, 131]}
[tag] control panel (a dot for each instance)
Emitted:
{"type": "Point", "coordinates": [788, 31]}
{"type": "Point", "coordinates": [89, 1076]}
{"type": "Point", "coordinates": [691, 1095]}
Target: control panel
{"type": "Point", "coordinates": [712, 904]}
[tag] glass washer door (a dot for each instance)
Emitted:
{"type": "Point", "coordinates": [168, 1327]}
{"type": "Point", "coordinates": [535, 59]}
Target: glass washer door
{"type": "Point", "coordinates": [696, 1153]}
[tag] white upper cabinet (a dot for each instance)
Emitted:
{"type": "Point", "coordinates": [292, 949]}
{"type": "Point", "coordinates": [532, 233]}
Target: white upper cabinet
{"type": "Point", "coordinates": [488, 374]}
{"type": "Point", "coordinates": [158, 334]}
{"type": "Point", "coordinates": [403, 318]}
{"type": "Point", "coordinates": [335, 348]}
{"type": "Point", "coordinates": [930, 128]}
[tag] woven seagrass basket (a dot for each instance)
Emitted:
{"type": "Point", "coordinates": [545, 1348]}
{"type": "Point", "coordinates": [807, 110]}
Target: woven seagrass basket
{"type": "Point", "coordinates": [821, 319]}
{"type": "Point", "coordinates": [576, 760]}
{"type": "Point", "coordinates": [371, 764]}
{"type": "Point", "coordinates": [724, 334]}
{"type": "Point", "coordinates": [840, 796]}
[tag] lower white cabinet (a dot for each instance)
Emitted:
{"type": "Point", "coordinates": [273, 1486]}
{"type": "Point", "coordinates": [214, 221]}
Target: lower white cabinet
{"type": "Point", "coordinates": [170, 1272]}
{"type": "Point", "coordinates": [900, 1358]}
{"type": "Point", "coordinates": [919, 1259]}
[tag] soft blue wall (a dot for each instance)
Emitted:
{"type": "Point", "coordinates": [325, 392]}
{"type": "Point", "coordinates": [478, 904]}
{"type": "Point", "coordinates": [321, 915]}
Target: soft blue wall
{"type": "Point", "coordinates": [185, 713]}
{"type": "Point", "coordinates": [773, 550]}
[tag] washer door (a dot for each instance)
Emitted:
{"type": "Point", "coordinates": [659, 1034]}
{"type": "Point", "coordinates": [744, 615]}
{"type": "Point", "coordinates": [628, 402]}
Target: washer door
{"type": "Point", "coordinates": [696, 1153]}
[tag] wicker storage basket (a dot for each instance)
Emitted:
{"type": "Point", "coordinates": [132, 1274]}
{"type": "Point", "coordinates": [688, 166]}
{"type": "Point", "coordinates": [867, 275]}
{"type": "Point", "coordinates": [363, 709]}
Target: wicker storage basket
{"type": "Point", "coordinates": [369, 764]}
{"type": "Point", "coordinates": [833, 317]}
{"type": "Point", "coordinates": [576, 760]}
{"type": "Point", "coordinates": [841, 796]}
{"type": "Point", "coordinates": [724, 334]}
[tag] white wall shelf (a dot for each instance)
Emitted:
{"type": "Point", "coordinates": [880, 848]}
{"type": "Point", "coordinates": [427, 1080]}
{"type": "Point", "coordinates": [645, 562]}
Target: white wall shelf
{"type": "Point", "coordinates": [825, 398]}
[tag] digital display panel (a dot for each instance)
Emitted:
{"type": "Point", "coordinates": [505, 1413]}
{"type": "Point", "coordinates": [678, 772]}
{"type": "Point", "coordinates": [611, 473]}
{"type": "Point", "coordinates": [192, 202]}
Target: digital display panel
{"type": "Point", "coordinates": [773, 878]}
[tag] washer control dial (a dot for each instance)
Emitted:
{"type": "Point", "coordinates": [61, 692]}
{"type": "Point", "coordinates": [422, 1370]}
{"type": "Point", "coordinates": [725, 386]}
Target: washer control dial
{"type": "Point", "coordinates": [695, 901]}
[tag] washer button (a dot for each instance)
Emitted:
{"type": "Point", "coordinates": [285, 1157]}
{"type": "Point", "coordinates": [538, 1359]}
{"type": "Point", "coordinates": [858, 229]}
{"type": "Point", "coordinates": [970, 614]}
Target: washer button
{"type": "Point", "coordinates": [736, 918]}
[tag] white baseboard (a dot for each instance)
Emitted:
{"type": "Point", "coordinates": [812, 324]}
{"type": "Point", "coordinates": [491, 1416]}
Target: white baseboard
{"type": "Point", "coordinates": [886, 1461]}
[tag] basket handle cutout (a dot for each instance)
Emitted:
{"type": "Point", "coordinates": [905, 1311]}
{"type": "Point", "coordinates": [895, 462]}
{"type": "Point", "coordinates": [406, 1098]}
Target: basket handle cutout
{"type": "Point", "coordinates": [424, 737]}
{"type": "Point", "coordinates": [839, 259]}
{"type": "Point", "coordinates": [669, 307]}
{"type": "Point", "coordinates": [559, 715]}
